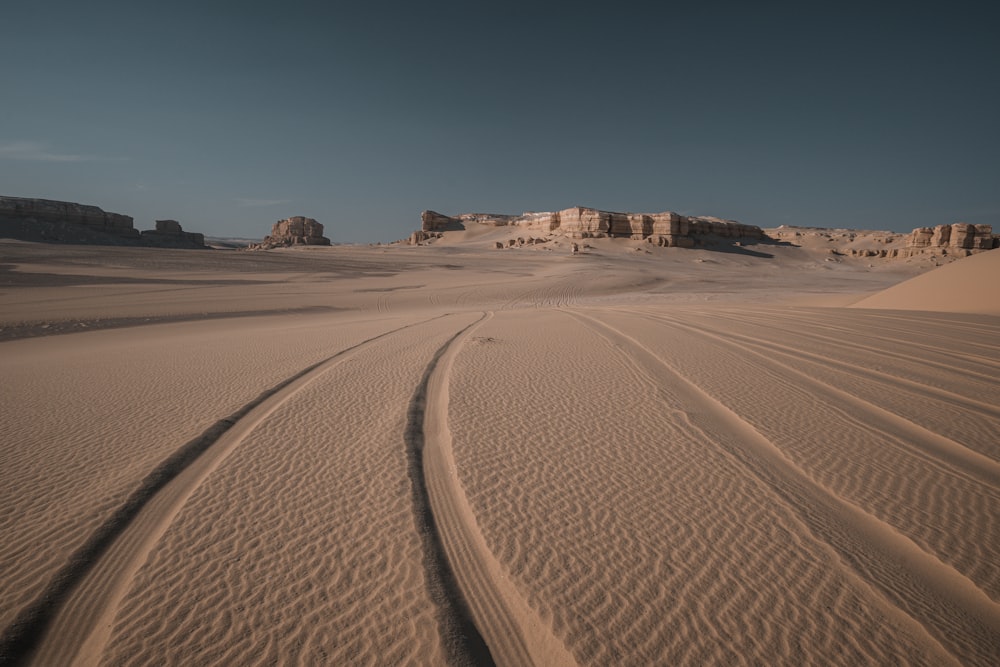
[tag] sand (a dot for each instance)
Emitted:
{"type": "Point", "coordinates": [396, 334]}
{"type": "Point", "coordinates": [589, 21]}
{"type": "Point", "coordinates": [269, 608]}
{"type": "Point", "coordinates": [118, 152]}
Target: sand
{"type": "Point", "coordinates": [961, 287]}
{"type": "Point", "coordinates": [456, 455]}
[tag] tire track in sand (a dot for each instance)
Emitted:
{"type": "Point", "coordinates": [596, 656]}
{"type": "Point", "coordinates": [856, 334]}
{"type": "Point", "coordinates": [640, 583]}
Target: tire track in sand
{"type": "Point", "coordinates": [70, 620]}
{"type": "Point", "coordinates": [918, 590]}
{"type": "Point", "coordinates": [936, 449]}
{"type": "Point", "coordinates": [485, 620]}
{"type": "Point", "coordinates": [898, 349]}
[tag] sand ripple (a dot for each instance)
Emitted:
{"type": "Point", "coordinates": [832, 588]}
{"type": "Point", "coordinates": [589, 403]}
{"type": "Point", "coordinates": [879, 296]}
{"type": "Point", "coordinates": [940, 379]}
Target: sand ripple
{"type": "Point", "coordinates": [567, 437]}
{"type": "Point", "coordinates": [536, 459]}
{"type": "Point", "coordinates": [78, 438]}
{"type": "Point", "coordinates": [305, 538]}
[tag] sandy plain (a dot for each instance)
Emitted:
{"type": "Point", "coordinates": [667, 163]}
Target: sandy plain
{"type": "Point", "coordinates": [457, 455]}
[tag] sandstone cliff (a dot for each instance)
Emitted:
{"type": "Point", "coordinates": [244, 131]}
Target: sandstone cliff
{"type": "Point", "coordinates": [957, 240]}
{"type": "Point", "coordinates": [61, 221]}
{"type": "Point", "coordinates": [942, 241]}
{"type": "Point", "coordinates": [432, 221]}
{"type": "Point", "coordinates": [665, 229]}
{"type": "Point", "coordinates": [297, 230]}
{"type": "Point", "coordinates": [958, 236]}
{"type": "Point", "coordinates": [52, 221]}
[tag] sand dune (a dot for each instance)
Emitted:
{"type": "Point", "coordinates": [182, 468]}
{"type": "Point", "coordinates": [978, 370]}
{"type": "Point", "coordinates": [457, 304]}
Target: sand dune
{"type": "Point", "coordinates": [450, 455]}
{"type": "Point", "coordinates": [966, 286]}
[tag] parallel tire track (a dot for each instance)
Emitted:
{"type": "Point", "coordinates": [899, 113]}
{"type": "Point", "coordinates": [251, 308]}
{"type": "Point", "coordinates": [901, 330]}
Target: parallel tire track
{"type": "Point", "coordinates": [935, 448]}
{"type": "Point", "coordinates": [484, 617]}
{"type": "Point", "coordinates": [463, 643]}
{"type": "Point", "coordinates": [877, 332]}
{"type": "Point", "coordinates": [983, 361]}
{"type": "Point", "coordinates": [959, 616]}
{"type": "Point", "coordinates": [70, 619]}
{"type": "Point", "coordinates": [905, 320]}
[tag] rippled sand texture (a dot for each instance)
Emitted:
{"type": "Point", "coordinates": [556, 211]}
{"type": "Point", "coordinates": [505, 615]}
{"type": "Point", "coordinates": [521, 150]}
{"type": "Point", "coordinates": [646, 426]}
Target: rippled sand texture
{"type": "Point", "coordinates": [667, 493]}
{"type": "Point", "coordinates": [451, 456]}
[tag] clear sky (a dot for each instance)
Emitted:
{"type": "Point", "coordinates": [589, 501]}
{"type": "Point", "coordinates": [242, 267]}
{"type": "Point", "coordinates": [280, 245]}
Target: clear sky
{"type": "Point", "coordinates": [229, 115]}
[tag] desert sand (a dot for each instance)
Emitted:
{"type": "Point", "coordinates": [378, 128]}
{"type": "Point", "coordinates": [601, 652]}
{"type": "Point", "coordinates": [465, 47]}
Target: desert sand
{"type": "Point", "coordinates": [458, 455]}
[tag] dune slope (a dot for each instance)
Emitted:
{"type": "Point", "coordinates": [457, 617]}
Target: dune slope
{"type": "Point", "coordinates": [966, 286]}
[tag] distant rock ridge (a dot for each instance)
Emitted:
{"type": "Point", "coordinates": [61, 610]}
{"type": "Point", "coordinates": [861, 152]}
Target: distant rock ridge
{"type": "Point", "coordinates": [665, 229]}
{"type": "Point", "coordinates": [44, 213]}
{"type": "Point", "coordinates": [943, 241]}
{"type": "Point", "coordinates": [169, 234]}
{"type": "Point", "coordinates": [54, 221]}
{"type": "Point", "coordinates": [957, 240]}
{"type": "Point", "coordinates": [294, 231]}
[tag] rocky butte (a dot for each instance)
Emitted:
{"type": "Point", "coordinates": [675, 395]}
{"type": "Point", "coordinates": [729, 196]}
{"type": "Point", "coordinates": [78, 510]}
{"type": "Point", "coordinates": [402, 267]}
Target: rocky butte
{"type": "Point", "coordinates": [53, 221]}
{"type": "Point", "coordinates": [667, 229]}
{"type": "Point", "coordinates": [169, 234]}
{"type": "Point", "coordinates": [294, 231]}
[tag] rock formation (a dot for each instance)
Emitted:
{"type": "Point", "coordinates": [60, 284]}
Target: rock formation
{"type": "Point", "coordinates": [519, 242]}
{"type": "Point", "coordinates": [61, 221]}
{"type": "Point", "coordinates": [169, 234]}
{"type": "Point", "coordinates": [67, 222]}
{"type": "Point", "coordinates": [665, 229]}
{"type": "Point", "coordinates": [420, 237]}
{"type": "Point", "coordinates": [957, 240]}
{"type": "Point", "coordinates": [958, 236]}
{"type": "Point", "coordinates": [297, 230]}
{"type": "Point", "coordinates": [432, 221]}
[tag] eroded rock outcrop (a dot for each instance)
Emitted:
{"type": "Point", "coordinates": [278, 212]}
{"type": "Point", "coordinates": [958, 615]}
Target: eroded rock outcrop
{"type": "Point", "coordinates": [294, 231]}
{"type": "Point", "coordinates": [53, 221]}
{"type": "Point", "coordinates": [665, 229]}
{"type": "Point", "coordinates": [420, 237]}
{"type": "Point", "coordinates": [959, 239]}
{"type": "Point", "coordinates": [62, 221]}
{"type": "Point", "coordinates": [959, 235]}
{"type": "Point", "coordinates": [432, 221]}
{"type": "Point", "coordinates": [956, 240]}
{"type": "Point", "coordinates": [519, 242]}
{"type": "Point", "coordinates": [169, 234]}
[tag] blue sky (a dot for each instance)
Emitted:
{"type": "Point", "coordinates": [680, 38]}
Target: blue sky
{"type": "Point", "coordinates": [230, 115]}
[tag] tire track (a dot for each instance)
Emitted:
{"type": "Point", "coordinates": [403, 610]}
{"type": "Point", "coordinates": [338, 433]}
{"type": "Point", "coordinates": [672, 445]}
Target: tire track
{"type": "Point", "coordinates": [983, 360]}
{"type": "Point", "coordinates": [891, 380]}
{"type": "Point", "coordinates": [463, 642]}
{"type": "Point", "coordinates": [877, 332]}
{"type": "Point", "coordinates": [484, 618]}
{"type": "Point", "coordinates": [70, 620]}
{"type": "Point", "coordinates": [932, 447]}
{"type": "Point", "coordinates": [923, 592]}
{"type": "Point", "coordinates": [907, 317]}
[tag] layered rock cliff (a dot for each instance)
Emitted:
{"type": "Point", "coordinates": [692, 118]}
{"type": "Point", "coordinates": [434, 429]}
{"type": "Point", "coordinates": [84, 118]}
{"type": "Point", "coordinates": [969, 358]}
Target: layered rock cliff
{"type": "Point", "coordinates": [956, 236]}
{"type": "Point", "coordinates": [665, 229]}
{"type": "Point", "coordinates": [943, 241]}
{"type": "Point", "coordinates": [958, 239]}
{"type": "Point", "coordinates": [53, 221]}
{"type": "Point", "coordinates": [49, 220]}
